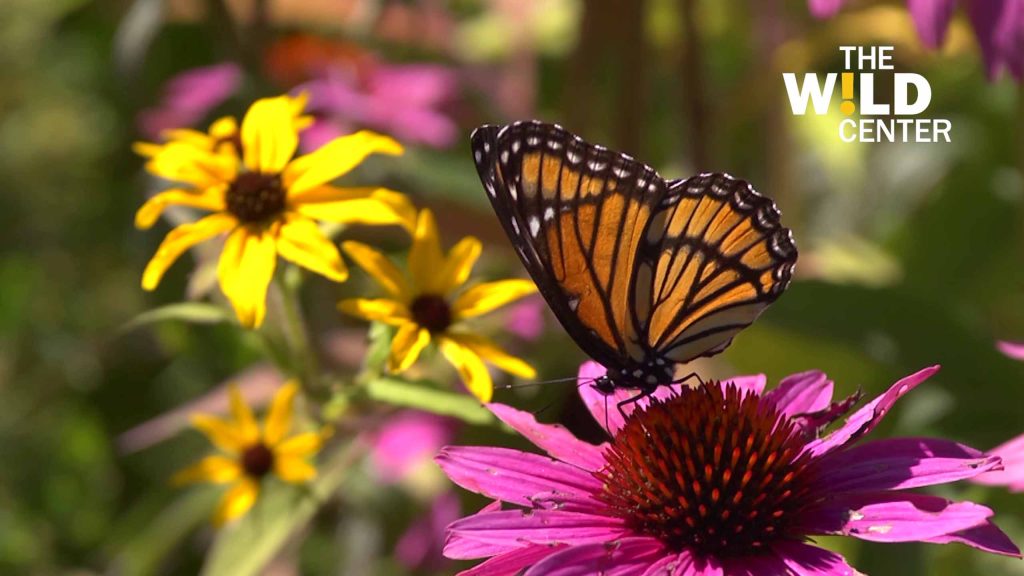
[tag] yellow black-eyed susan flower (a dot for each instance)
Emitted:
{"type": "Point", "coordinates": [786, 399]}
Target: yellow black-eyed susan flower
{"type": "Point", "coordinates": [431, 302]}
{"type": "Point", "coordinates": [266, 202]}
{"type": "Point", "coordinates": [251, 453]}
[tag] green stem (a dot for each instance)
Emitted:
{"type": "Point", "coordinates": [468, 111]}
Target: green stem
{"type": "Point", "coordinates": [306, 363]}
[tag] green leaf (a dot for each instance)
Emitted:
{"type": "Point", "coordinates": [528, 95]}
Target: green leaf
{"type": "Point", "coordinates": [380, 336]}
{"type": "Point", "coordinates": [245, 547]}
{"type": "Point", "coordinates": [149, 538]}
{"type": "Point", "coordinates": [422, 396]}
{"type": "Point", "coordinates": [194, 312]}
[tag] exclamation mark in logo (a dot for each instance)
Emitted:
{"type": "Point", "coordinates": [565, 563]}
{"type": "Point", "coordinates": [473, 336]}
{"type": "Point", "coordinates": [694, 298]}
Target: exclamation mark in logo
{"type": "Point", "coordinates": [847, 107]}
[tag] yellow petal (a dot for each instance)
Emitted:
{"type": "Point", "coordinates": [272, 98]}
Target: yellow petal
{"type": "Point", "coordinates": [146, 149]}
{"type": "Point", "coordinates": [302, 445]}
{"type": "Point", "coordinates": [380, 267]}
{"type": "Point", "coordinates": [372, 206]}
{"type": "Point", "coordinates": [189, 136]}
{"type": "Point", "coordinates": [279, 418]}
{"type": "Point", "coordinates": [180, 239]}
{"type": "Point", "coordinates": [300, 240]}
{"type": "Point", "coordinates": [457, 266]}
{"type": "Point", "coordinates": [483, 298]}
{"type": "Point", "coordinates": [237, 501]}
{"type": "Point", "coordinates": [298, 103]}
{"type": "Point", "coordinates": [183, 162]}
{"type": "Point", "coordinates": [425, 259]}
{"type": "Point", "coordinates": [212, 469]}
{"type": "Point", "coordinates": [491, 352]}
{"type": "Point", "coordinates": [224, 128]}
{"type": "Point", "coordinates": [225, 137]}
{"type": "Point", "coordinates": [245, 270]}
{"type": "Point", "coordinates": [376, 310]}
{"type": "Point", "coordinates": [335, 158]}
{"type": "Point", "coordinates": [244, 420]}
{"type": "Point", "coordinates": [269, 138]}
{"type": "Point", "coordinates": [294, 470]}
{"type": "Point", "coordinates": [406, 346]}
{"type": "Point", "coordinates": [470, 367]}
{"type": "Point", "coordinates": [209, 199]}
{"type": "Point", "coordinates": [223, 435]}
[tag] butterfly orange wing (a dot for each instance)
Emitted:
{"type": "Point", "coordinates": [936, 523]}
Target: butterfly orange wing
{"type": "Point", "coordinates": [576, 214]}
{"type": "Point", "coordinates": [716, 255]}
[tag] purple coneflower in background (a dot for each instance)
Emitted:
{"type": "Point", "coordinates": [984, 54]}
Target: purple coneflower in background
{"type": "Point", "coordinates": [525, 318]}
{"type": "Point", "coordinates": [1011, 452]}
{"type": "Point", "coordinates": [401, 449]}
{"type": "Point", "coordinates": [403, 100]}
{"type": "Point", "coordinates": [188, 97]}
{"type": "Point", "coordinates": [998, 26]}
{"type": "Point", "coordinates": [719, 479]}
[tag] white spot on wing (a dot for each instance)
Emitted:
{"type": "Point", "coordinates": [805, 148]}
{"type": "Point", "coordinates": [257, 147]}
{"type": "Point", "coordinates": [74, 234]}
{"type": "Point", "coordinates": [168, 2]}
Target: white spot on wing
{"type": "Point", "coordinates": [549, 214]}
{"type": "Point", "coordinates": [534, 226]}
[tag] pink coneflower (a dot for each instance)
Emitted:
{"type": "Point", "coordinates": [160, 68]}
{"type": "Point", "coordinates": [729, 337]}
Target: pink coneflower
{"type": "Point", "coordinates": [718, 479]}
{"type": "Point", "coordinates": [406, 442]}
{"type": "Point", "coordinates": [405, 100]}
{"type": "Point", "coordinates": [525, 318]}
{"type": "Point", "coordinates": [1012, 474]}
{"type": "Point", "coordinates": [188, 97]}
{"type": "Point", "coordinates": [998, 26]}
{"type": "Point", "coordinates": [1011, 452]}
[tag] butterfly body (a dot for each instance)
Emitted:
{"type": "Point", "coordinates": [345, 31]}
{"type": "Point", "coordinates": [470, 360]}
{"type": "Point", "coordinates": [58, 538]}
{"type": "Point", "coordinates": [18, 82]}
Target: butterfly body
{"type": "Point", "coordinates": [644, 273]}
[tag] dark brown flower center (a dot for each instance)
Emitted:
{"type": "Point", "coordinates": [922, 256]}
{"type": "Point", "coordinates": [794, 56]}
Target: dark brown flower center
{"type": "Point", "coordinates": [257, 460]}
{"type": "Point", "coordinates": [255, 197]}
{"type": "Point", "coordinates": [711, 471]}
{"type": "Point", "coordinates": [432, 312]}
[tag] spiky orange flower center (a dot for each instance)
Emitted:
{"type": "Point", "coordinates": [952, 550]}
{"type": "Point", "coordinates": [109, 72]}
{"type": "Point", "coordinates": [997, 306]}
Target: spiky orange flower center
{"type": "Point", "coordinates": [711, 471]}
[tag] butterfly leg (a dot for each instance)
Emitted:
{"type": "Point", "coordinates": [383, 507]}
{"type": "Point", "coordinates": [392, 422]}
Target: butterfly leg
{"type": "Point", "coordinates": [644, 393]}
{"type": "Point", "coordinates": [690, 376]}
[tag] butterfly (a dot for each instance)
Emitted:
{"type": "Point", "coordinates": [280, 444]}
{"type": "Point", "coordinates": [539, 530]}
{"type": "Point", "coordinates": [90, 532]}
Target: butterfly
{"type": "Point", "coordinates": [643, 273]}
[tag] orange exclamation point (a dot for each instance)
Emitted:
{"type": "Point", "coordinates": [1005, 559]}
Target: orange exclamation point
{"type": "Point", "coordinates": [847, 107]}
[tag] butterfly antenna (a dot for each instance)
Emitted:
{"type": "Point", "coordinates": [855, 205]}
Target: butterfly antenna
{"type": "Point", "coordinates": [543, 409]}
{"type": "Point", "coordinates": [512, 385]}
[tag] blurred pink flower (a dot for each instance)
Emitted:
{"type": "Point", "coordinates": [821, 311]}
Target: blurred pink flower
{"type": "Point", "coordinates": [998, 26]}
{"type": "Point", "coordinates": [718, 479]}
{"type": "Point", "coordinates": [402, 100]}
{"type": "Point", "coordinates": [406, 441]}
{"type": "Point", "coordinates": [525, 318]}
{"type": "Point", "coordinates": [1013, 350]}
{"type": "Point", "coordinates": [1012, 452]}
{"type": "Point", "coordinates": [188, 97]}
{"type": "Point", "coordinates": [1012, 474]}
{"type": "Point", "coordinates": [419, 548]}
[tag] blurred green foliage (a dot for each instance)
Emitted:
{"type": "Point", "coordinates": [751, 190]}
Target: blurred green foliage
{"type": "Point", "coordinates": [930, 238]}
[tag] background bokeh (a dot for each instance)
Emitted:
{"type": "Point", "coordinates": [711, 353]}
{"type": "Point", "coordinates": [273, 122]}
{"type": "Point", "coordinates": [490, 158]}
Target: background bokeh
{"type": "Point", "coordinates": [911, 254]}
